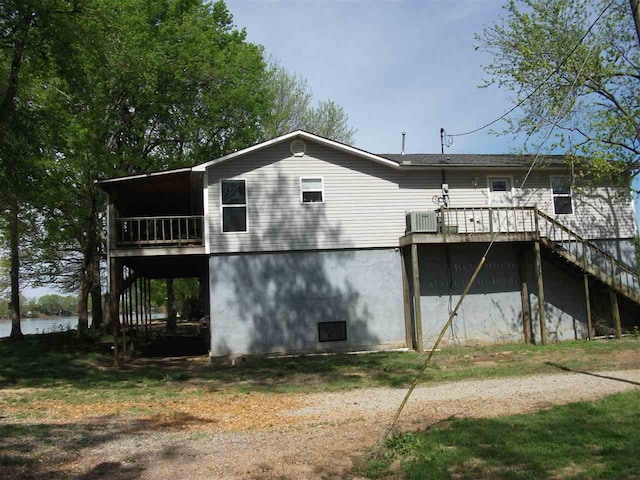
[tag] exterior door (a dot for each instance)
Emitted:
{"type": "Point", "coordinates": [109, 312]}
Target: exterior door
{"type": "Point", "coordinates": [500, 196]}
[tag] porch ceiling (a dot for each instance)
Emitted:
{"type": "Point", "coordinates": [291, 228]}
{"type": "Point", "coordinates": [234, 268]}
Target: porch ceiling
{"type": "Point", "coordinates": [169, 266]}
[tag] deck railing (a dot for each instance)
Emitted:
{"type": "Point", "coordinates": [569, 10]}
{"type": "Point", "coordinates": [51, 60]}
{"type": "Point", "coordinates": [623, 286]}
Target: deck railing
{"type": "Point", "coordinates": [488, 220]}
{"type": "Point", "coordinates": [555, 235]}
{"type": "Point", "coordinates": [159, 231]}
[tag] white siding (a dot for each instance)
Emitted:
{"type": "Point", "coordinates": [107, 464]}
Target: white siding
{"type": "Point", "coordinates": [365, 202]}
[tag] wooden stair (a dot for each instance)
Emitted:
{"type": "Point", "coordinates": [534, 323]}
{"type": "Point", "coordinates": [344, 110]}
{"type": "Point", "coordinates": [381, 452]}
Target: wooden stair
{"type": "Point", "coordinates": [588, 257]}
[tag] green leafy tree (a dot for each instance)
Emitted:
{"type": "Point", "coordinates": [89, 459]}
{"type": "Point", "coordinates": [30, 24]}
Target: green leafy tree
{"type": "Point", "coordinates": [53, 304]}
{"type": "Point", "coordinates": [594, 99]}
{"type": "Point", "coordinates": [150, 86]}
{"type": "Point", "coordinates": [292, 108]}
{"type": "Point", "coordinates": [29, 33]}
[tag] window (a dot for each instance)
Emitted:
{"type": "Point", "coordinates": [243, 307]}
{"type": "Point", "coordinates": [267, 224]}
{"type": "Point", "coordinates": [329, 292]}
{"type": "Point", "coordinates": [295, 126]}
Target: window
{"type": "Point", "coordinates": [499, 185]}
{"type": "Point", "coordinates": [234, 205]}
{"type": "Point", "coordinates": [332, 331]}
{"type": "Point", "coordinates": [311, 190]}
{"type": "Point", "coordinates": [561, 191]}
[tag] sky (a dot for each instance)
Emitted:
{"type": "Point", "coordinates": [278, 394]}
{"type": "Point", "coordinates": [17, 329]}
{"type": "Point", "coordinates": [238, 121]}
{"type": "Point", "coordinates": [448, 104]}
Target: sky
{"type": "Point", "coordinates": [394, 66]}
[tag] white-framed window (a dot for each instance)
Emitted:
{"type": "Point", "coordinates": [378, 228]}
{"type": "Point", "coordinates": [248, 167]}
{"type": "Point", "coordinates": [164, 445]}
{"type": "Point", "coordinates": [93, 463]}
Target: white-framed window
{"type": "Point", "coordinates": [500, 191]}
{"type": "Point", "coordinates": [233, 201]}
{"type": "Point", "coordinates": [561, 193]}
{"type": "Point", "coordinates": [500, 185]}
{"type": "Point", "coordinates": [311, 190]}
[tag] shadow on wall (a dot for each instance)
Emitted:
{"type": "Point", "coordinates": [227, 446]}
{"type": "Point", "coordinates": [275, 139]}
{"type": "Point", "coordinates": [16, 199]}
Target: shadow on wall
{"type": "Point", "coordinates": [565, 308]}
{"type": "Point", "coordinates": [600, 217]}
{"type": "Point", "coordinates": [492, 311]}
{"type": "Point", "coordinates": [268, 302]}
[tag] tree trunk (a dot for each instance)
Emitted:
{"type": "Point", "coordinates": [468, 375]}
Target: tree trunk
{"type": "Point", "coordinates": [16, 331]}
{"type": "Point", "coordinates": [83, 300]}
{"type": "Point", "coordinates": [96, 294]}
{"type": "Point", "coordinates": [7, 109]}
{"type": "Point", "coordinates": [171, 307]}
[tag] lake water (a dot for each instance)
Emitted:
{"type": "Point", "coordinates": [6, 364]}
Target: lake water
{"type": "Point", "coordinates": [46, 324]}
{"type": "Point", "coordinates": [40, 325]}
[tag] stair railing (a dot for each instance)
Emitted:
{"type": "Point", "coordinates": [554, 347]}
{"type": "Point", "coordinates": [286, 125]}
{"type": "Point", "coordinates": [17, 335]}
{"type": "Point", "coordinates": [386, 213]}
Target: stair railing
{"type": "Point", "coordinates": [588, 254]}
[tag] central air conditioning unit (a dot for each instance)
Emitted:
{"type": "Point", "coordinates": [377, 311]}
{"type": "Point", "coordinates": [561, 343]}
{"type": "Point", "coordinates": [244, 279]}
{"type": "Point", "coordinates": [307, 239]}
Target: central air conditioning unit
{"type": "Point", "coordinates": [422, 222]}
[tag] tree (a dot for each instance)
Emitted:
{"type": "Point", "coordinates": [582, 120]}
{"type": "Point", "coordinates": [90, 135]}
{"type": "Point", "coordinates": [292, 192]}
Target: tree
{"type": "Point", "coordinates": [29, 31]}
{"type": "Point", "coordinates": [173, 83]}
{"type": "Point", "coordinates": [594, 98]}
{"type": "Point", "coordinates": [292, 109]}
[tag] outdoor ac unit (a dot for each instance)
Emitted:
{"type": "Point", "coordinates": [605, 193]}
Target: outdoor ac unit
{"type": "Point", "coordinates": [426, 222]}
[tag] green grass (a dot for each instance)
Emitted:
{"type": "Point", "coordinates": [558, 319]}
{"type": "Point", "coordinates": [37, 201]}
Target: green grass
{"type": "Point", "coordinates": [580, 440]}
{"type": "Point", "coordinates": [60, 366]}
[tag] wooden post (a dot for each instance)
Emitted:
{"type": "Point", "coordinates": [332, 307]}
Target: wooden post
{"type": "Point", "coordinates": [112, 229]}
{"type": "Point", "coordinates": [541, 313]}
{"type": "Point", "coordinates": [615, 312]}
{"type": "Point", "coordinates": [416, 297]}
{"type": "Point", "coordinates": [587, 301]}
{"type": "Point", "coordinates": [125, 312]}
{"type": "Point", "coordinates": [524, 293]}
{"type": "Point", "coordinates": [408, 329]}
{"type": "Point", "coordinates": [136, 294]}
{"type": "Point", "coordinates": [114, 298]}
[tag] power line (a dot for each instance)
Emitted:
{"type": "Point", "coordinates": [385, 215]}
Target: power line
{"type": "Point", "coordinates": [557, 120]}
{"type": "Point", "coordinates": [544, 82]}
{"type": "Point", "coordinates": [453, 313]}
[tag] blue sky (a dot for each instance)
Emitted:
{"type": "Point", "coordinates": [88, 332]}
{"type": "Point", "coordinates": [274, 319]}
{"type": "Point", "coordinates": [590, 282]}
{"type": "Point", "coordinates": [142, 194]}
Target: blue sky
{"type": "Point", "coordinates": [394, 66]}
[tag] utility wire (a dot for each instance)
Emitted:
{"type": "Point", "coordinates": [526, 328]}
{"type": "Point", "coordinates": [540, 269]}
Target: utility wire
{"type": "Point", "coordinates": [560, 116]}
{"type": "Point", "coordinates": [544, 82]}
{"type": "Point", "coordinates": [482, 262]}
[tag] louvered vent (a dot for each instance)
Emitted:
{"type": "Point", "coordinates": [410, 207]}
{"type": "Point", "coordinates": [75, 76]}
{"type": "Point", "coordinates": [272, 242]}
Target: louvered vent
{"type": "Point", "coordinates": [426, 222]}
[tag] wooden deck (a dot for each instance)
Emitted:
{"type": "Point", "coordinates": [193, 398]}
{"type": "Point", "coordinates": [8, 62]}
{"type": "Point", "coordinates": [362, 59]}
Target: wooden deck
{"type": "Point", "coordinates": [515, 224]}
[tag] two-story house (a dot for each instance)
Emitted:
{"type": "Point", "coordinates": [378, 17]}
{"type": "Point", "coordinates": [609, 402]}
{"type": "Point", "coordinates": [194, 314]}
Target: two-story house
{"type": "Point", "coordinates": [303, 244]}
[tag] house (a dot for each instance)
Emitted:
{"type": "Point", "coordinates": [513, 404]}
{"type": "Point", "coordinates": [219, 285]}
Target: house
{"type": "Point", "coordinates": [303, 244]}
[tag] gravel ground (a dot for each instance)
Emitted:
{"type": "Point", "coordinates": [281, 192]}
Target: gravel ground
{"type": "Point", "coordinates": [322, 436]}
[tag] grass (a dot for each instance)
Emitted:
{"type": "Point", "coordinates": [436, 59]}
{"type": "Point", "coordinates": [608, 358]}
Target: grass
{"type": "Point", "coordinates": [46, 378]}
{"type": "Point", "coordinates": [67, 367]}
{"type": "Point", "coordinates": [580, 440]}
{"type": "Point", "coordinates": [64, 368]}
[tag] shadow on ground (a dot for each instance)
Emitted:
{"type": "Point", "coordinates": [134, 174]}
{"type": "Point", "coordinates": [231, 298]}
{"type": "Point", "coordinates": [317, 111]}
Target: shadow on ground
{"type": "Point", "coordinates": [45, 450]}
{"type": "Point", "coordinates": [61, 359]}
{"type": "Point", "coordinates": [579, 440]}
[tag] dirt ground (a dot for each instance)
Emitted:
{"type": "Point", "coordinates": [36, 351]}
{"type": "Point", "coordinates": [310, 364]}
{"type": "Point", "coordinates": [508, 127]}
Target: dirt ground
{"type": "Point", "coordinates": [271, 436]}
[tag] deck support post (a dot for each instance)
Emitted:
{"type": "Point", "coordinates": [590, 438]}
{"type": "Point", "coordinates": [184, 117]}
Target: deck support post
{"type": "Point", "coordinates": [417, 317]}
{"type": "Point", "coordinates": [114, 299]}
{"type": "Point", "coordinates": [406, 295]}
{"type": "Point", "coordinates": [541, 312]}
{"type": "Point", "coordinates": [615, 313]}
{"type": "Point", "coordinates": [587, 301]}
{"type": "Point", "coordinates": [524, 294]}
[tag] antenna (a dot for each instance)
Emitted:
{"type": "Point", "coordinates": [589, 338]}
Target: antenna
{"type": "Point", "coordinates": [445, 140]}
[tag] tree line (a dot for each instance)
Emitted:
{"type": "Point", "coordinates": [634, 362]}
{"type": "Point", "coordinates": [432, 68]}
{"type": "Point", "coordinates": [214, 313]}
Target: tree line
{"type": "Point", "coordinates": [46, 305]}
{"type": "Point", "coordinates": [101, 88]}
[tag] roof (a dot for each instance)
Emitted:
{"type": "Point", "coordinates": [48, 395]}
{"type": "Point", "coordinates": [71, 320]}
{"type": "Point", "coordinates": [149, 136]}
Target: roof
{"type": "Point", "coordinates": [393, 160]}
{"type": "Point", "coordinates": [304, 135]}
{"type": "Point", "coordinates": [475, 160]}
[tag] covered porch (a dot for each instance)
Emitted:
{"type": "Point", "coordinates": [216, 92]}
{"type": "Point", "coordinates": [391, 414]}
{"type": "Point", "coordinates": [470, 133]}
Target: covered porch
{"type": "Point", "coordinates": [157, 211]}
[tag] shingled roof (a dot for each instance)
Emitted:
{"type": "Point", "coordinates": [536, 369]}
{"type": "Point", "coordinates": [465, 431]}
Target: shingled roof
{"type": "Point", "coordinates": [474, 160]}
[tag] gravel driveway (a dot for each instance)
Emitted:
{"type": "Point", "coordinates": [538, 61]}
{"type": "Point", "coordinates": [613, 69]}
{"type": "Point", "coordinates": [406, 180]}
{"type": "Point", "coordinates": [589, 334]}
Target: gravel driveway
{"type": "Point", "coordinates": [317, 435]}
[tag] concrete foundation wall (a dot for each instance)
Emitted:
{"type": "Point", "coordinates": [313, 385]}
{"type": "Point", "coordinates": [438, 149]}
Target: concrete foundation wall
{"type": "Point", "coordinates": [262, 303]}
{"type": "Point", "coordinates": [624, 250]}
{"type": "Point", "coordinates": [492, 311]}
{"type": "Point", "coordinates": [565, 307]}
